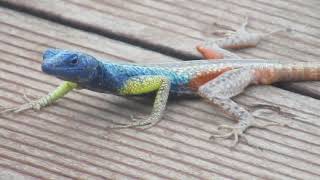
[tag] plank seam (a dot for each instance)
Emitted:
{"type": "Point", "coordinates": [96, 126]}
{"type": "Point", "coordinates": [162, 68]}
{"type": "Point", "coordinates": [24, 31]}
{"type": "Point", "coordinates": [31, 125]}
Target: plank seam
{"type": "Point", "coordinates": [119, 37]}
{"type": "Point", "coordinates": [101, 31]}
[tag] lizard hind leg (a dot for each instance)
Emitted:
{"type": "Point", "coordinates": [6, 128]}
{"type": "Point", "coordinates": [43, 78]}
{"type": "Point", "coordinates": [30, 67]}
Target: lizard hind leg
{"type": "Point", "coordinates": [241, 38]}
{"type": "Point", "coordinates": [219, 91]}
{"type": "Point", "coordinates": [229, 31]}
{"type": "Point", "coordinates": [208, 53]}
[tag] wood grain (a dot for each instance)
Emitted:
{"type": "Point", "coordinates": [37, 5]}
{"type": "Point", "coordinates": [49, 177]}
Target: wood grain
{"type": "Point", "coordinates": [70, 139]}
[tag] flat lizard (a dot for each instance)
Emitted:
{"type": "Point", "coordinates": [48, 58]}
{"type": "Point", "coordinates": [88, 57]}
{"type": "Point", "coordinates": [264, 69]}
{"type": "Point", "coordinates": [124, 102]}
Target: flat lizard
{"type": "Point", "coordinates": [216, 81]}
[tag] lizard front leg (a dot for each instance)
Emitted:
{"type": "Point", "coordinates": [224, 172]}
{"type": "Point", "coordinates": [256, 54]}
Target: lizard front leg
{"type": "Point", "coordinates": [219, 91]}
{"type": "Point", "coordinates": [59, 92]}
{"type": "Point", "coordinates": [146, 84]}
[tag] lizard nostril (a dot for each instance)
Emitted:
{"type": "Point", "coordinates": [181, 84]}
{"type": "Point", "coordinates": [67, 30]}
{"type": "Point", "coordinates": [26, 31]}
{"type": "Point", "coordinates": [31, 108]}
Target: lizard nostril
{"type": "Point", "coordinates": [46, 67]}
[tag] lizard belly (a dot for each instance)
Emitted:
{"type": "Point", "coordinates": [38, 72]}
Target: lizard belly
{"type": "Point", "coordinates": [203, 77]}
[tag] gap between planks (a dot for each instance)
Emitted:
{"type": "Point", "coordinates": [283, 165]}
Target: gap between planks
{"type": "Point", "coordinates": [308, 90]}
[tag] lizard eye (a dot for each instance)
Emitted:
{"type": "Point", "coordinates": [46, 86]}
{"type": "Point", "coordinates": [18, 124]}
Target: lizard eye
{"type": "Point", "coordinates": [74, 61]}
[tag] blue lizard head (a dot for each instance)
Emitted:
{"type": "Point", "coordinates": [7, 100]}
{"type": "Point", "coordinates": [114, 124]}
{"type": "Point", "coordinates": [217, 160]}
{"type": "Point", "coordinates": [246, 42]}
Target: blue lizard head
{"type": "Point", "coordinates": [69, 65]}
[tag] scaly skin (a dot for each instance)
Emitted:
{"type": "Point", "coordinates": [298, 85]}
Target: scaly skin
{"type": "Point", "coordinates": [216, 81]}
{"type": "Point", "coordinates": [208, 53]}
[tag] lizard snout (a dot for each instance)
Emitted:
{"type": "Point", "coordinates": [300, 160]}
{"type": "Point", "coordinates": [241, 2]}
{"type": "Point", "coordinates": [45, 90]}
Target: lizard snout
{"type": "Point", "coordinates": [47, 67]}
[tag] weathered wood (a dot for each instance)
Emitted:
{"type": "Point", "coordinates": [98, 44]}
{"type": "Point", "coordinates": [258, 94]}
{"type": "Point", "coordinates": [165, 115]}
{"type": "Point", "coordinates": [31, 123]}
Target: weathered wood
{"type": "Point", "coordinates": [10, 169]}
{"type": "Point", "coordinates": [70, 138]}
{"type": "Point", "coordinates": [178, 26]}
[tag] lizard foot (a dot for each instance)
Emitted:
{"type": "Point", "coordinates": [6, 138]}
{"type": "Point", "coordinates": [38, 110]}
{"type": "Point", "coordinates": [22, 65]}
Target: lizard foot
{"type": "Point", "coordinates": [237, 132]}
{"type": "Point", "coordinates": [31, 104]}
{"type": "Point", "coordinates": [233, 131]}
{"type": "Point", "coordinates": [142, 123]}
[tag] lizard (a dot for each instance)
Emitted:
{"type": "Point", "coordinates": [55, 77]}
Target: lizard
{"type": "Point", "coordinates": [215, 81]}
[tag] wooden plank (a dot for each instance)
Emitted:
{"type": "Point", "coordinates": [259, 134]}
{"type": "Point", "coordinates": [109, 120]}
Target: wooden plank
{"type": "Point", "coordinates": [70, 138]}
{"type": "Point", "coordinates": [313, 4]}
{"type": "Point", "coordinates": [178, 27]}
{"type": "Point", "coordinates": [16, 171]}
{"type": "Point", "coordinates": [122, 13]}
{"type": "Point", "coordinates": [300, 8]}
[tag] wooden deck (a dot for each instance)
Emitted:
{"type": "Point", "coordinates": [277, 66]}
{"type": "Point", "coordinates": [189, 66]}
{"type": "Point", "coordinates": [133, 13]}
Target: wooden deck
{"type": "Point", "coordinates": [69, 140]}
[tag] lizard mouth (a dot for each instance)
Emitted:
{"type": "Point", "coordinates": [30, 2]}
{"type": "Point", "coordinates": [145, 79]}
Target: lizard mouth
{"type": "Point", "coordinates": [59, 71]}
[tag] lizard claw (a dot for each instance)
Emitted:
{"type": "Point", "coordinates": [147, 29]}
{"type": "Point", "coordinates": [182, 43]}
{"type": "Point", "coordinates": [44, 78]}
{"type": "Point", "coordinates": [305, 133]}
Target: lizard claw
{"type": "Point", "coordinates": [31, 104]}
{"type": "Point", "coordinates": [233, 131]}
{"type": "Point", "coordinates": [136, 118]}
{"type": "Point", "coordinates": [141, 122]}
{"type": "Point", "coordinates": [236, 132]}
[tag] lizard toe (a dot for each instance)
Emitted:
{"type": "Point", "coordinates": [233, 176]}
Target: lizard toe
{"type": "Point", "coordinates": [136, 123]}
{"type": "Point", "coordinates": [30, 104]}
{"type": "Point", "coordinates": [265, 125]}
{"type": "Point", "coordinates": [233, 131]}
